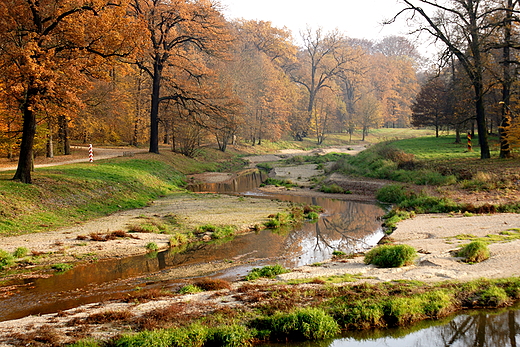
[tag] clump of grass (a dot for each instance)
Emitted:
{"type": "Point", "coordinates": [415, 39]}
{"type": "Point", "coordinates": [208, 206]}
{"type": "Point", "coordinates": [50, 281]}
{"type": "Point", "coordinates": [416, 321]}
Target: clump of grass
{"type": "Point", "coordinates": [217, 232]}
{"type": "Point", "coordinates": [474, 252]}
{"type": "Point", "coordinates": [178, 239]}
{"type": "Point", "coordinates": [20, 252]}
{"type": "Point", "coordinates": [230, 336]}
{"type": "Point", "coordinates": [493, 296]}
{"type": "Point", "coordinates": [334, 189]}
{"type": "Point", "coordinates": [208, 284]}
{"type": "Point", "coordinates": [391, 255]}
{"type": "Point", "coordinates": [278, 183]}
{"type": "Point", "coordinates": [6, 259]}
{"type": "Point", "coordinates": [152, 246]}
{"type": "Point", "coordinates": [269, 271]}
{"type": "Point", "coordinates": [190, 289]}
{"type": "Point", "coordinates": [393, 217]}
{"type": "Point", "coordinates": [339, 254]}
{"type": "Point", "coordinates": [302, 324]}
{"type": "Point", "coordinates": [62, 267]}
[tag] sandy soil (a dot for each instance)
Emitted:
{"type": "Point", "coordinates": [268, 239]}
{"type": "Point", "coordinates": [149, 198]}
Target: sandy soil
{"type": "Point", "coordinates": [431, 235]}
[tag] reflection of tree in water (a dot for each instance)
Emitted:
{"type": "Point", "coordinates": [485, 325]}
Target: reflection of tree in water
{"type": "Point", "coordinates": [348, 228]}
{"type": "Point", "coordinates": [477, 330]}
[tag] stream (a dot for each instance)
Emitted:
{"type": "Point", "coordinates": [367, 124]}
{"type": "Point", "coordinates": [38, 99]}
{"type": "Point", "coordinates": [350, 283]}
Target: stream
{"type": "Point", "coordinates": [345, 225]}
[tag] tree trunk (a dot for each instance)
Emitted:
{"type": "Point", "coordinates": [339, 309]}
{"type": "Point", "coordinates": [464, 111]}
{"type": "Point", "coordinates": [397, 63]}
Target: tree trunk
{"type": "Point", "coordinates": [25, 161]}
{"type": "Point", "coordinates": [154, 111]}
{"type": "Point", "coordinates": [505, 149]}
{"type": "Point", "coordinates": [50, 147]}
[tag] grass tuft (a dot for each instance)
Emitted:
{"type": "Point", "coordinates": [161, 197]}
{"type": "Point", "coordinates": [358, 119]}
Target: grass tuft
{"type": "Point", "coordinates": [391, 256]}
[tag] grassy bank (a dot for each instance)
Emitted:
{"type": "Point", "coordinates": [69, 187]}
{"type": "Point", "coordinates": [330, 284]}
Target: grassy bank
{"type": "Point", "coordinates": [426, 166]}
{"type": "Point", "coordinates": [67, 194]}
{"type": "Point", "coordinates": [285, 312]}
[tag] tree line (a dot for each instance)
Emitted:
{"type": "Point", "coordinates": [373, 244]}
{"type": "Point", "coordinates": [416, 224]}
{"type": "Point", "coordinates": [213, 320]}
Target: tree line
{"type": "Point", "coordinates": [177, 72]}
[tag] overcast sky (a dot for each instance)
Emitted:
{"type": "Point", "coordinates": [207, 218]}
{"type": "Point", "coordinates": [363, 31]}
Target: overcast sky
{"type": "Point", "coordinates": [354, 18]}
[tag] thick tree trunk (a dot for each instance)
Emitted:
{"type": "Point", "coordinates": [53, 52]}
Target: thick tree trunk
{"type": "Point", "coordinates": [25, 162]}
{"type": "Point", "coordinates": [154, 110]}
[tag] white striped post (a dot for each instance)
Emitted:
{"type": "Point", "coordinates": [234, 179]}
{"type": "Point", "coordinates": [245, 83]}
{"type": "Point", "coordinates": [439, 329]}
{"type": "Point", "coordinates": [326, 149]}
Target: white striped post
{"type": "Point", "coordinates": [90, 154]}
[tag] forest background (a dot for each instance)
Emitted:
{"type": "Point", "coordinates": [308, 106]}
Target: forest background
{"type": "Point", "coordinates": [135, 72]}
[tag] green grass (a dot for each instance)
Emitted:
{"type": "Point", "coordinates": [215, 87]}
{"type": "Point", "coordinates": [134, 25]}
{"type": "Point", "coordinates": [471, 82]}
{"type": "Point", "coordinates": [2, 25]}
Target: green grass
{"type": "Point", "coordinates": [269, 271]}
{"type": "Point", "coordinates": [65, 195]}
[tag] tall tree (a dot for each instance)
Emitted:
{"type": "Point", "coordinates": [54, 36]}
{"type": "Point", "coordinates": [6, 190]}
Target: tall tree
{"type": "Point", "coordinates": [47, 48]}
{"type": "Point", "coordinates": [177, 30]}
{"type": "Point", "coordinates": [323, 58]}
{"type": "Point", "coordinates": [462, 25]}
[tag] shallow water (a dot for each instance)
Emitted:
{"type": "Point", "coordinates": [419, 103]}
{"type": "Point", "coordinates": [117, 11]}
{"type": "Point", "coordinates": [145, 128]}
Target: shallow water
{"type": "Point", "coordinates": [346, 226]}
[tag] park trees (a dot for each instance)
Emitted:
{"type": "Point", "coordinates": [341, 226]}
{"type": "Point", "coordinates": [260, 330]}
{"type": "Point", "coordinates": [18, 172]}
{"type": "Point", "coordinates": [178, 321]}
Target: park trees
{"type": "Point", "coordinates": [48, 48]}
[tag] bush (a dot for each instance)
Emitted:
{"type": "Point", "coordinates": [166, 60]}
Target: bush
{"type": "Point", "coordinates": [6, 259]}
{"type": "Point", "coordinates": [303, 324]}
{"type": "Point", "coordinates": [474, 252]}
{"type": "Point", "coordinates": [269, 271]}
{"type": "Point", "coordinates": [391, 255]}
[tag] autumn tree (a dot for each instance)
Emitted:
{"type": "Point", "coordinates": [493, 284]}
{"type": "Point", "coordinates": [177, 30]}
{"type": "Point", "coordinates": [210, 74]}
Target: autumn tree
{"type": "Point", "coordinates": [179, 34]}
{"type": "Point", "coordinates": [256, 76]}
{"type": "Point", "coordinates": [48, 47]}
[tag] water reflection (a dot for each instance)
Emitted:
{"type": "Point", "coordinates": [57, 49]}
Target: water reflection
{"type": "Point", "coordinates": [483, 329]}
{"type": "Point", "coordinates": [347, 226]}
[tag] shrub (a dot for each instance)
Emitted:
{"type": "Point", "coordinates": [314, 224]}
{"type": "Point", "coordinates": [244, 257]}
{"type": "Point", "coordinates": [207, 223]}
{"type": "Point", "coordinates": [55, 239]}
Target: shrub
{"type": "Point", "coordinates": [391, 255]}
{"type": "Point", "coordinates": [20, 252]}
{"type": "Point", "coordinates": [269, 271]}
{"type": "Point", "coordinates": [6, 259]}
{"type": "Point", "coordinates": [303, 324]}
{"type": "Point", "coordinates": [474, 252]}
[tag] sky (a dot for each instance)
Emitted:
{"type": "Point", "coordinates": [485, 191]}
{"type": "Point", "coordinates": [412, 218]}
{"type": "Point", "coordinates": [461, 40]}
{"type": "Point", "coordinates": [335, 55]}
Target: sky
{"type": "Point", "coordinates": [354, 18]}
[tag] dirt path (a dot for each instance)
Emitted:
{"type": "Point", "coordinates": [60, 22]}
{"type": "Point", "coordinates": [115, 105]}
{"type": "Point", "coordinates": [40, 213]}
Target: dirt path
{"type": "Point", "coordinates": [80, 154]}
